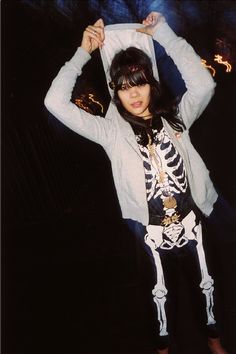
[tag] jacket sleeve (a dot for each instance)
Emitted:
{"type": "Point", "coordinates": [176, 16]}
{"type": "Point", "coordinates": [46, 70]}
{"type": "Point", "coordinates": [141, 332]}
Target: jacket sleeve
{"type": "Point", "coordinates": [198, 81]}
{"type": "Point", "coordinates": [58, 102]}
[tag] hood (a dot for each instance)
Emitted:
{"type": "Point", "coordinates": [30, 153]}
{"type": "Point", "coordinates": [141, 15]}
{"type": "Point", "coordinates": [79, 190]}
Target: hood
{"type": "Point", "coordinates": [122, 36]}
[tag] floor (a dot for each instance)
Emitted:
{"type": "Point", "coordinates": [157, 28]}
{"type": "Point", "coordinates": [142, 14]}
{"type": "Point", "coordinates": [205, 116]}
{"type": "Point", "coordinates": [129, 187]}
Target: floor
{"type": "Point", "coordinates": [80, 287]}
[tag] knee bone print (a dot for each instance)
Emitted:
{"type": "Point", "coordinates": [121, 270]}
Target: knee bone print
{"type": "Point", "coordinates": [159, 292]}
{"type": "Point", "coordinates": [207, 283]}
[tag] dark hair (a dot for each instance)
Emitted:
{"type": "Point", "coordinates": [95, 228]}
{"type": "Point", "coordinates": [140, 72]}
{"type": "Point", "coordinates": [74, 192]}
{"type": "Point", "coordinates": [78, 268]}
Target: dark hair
{"type": "Point", "coordinates": [133, 67]}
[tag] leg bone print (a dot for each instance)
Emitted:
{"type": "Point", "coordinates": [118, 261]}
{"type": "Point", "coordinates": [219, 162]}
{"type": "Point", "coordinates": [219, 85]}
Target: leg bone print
{"type": "Point", "coordinates": [154, 239]}
{"type": "Point", "coordinates": [159, 292]}
{"type": "Point", "coordinates": [207, 281]}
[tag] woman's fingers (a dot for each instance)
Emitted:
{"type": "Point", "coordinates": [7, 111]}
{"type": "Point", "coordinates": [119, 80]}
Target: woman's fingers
{"type": "Point", "coordinates": [99, 23]}
{"type": "Point", "coordinates": [96, 31]}
{"type": "Point", "coordinates": [101, 26]}
{"type": "Point", "coordinates": [145, 22]}
{"type": "Point", "coordinates": [151, 23]}
{"type": "Point", "coordinates": [153, 18]}
{"type": "Point", "coordinates": [94, 34]}
{"type": "Point", "coordinates": [145, 30]}
{"type": "Point", "coordinates": [98, 27]}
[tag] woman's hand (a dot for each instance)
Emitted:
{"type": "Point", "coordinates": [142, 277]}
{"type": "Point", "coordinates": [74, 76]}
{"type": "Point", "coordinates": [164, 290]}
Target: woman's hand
{"type": "Point", "coordinates": [93, 36]}
{"type": "Point", "coordinates": [151, 23]}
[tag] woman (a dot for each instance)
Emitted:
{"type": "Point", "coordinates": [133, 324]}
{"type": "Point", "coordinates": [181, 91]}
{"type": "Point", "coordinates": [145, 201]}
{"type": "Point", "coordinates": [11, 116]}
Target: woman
{"type": "Point", "coordinates": [162, 184]}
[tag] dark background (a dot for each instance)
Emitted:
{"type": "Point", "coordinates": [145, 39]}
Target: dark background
{"type": "Point", "coordinates": [73, 278]}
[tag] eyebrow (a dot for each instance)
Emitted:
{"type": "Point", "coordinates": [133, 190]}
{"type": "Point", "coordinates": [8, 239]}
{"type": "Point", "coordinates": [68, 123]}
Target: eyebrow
{"type": "Point", "coordinates": [125, 86]}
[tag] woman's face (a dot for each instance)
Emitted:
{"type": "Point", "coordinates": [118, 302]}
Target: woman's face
{"type": "Point", "coordinates": [136, 99]}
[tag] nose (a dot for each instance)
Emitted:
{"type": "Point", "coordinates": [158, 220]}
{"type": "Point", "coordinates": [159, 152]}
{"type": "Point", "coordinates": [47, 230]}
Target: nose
{"type": "Point", "coordinates": [134, 92]}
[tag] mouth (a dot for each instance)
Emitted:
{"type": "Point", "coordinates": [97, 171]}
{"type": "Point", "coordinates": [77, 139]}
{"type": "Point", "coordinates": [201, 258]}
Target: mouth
{"type": "Point", "coordinates": [136, 104]}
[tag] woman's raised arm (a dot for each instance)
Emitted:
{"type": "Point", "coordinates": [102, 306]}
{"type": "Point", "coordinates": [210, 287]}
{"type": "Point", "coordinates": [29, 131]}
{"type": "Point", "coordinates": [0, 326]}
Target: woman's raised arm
{"type": "Point", "coordinates": [58, 98]}
{"type": "Point", "coordinates": [199, 83]}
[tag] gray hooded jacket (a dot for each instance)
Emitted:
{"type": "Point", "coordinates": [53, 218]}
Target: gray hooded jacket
{"type": "Point", "coordinates": [116, 135]}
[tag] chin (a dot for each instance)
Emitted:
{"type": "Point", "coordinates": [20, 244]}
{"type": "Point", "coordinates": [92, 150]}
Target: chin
{"type": "Point", "coordinates": [139, 113]}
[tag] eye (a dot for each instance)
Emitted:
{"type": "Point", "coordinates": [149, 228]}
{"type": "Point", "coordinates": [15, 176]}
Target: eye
{"type": "Point", "coordinates": [124, 88]}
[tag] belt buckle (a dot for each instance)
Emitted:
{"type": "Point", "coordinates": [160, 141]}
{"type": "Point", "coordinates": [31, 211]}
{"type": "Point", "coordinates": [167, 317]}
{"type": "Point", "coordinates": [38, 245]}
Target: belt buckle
{"type": "Point", "coordinates": [170, 219]}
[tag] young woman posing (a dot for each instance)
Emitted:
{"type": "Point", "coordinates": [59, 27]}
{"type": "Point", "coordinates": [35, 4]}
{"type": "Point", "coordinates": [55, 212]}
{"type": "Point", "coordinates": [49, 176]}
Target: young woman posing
{"type": "Point", "coordinates": [162, 184]}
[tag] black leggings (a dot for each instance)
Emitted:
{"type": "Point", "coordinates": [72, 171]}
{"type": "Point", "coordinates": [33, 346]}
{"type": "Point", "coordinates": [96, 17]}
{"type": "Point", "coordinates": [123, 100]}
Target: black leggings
{"type": "Point", "coordinates": [171, 266]}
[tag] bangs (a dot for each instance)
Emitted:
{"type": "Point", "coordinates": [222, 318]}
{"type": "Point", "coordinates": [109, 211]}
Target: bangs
{"type": "Point", "coordinates": [131, 76]}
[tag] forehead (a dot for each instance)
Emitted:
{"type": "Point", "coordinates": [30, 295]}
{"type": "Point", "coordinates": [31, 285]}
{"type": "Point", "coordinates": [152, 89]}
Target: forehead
{"type": "Point", "coordinates": [126, 86]}
{"type": "Point", "coordinates": [132, 78]}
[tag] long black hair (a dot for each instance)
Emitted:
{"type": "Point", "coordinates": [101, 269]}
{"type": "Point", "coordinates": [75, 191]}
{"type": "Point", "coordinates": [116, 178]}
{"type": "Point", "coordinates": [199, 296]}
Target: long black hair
{"type": "Point", "coordinates": [133, 67]}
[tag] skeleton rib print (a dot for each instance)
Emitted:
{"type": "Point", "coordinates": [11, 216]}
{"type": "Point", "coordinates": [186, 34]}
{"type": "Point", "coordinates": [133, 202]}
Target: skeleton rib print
{"type": "Point", "coordinates": [172, 164]}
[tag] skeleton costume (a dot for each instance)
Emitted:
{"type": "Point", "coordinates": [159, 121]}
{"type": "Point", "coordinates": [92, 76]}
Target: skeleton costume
{"type": "Point", "coordinates": [165, 185]}
{"type": "Point", "coordinates": [174, 223]}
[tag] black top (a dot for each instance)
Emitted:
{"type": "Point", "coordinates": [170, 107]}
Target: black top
{"type": "Point", "coordinates": [167, 159]}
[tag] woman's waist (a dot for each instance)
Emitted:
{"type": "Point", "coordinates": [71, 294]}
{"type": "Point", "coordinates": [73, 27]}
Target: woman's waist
{"type": "Point", "coordinates": [176, 214]}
